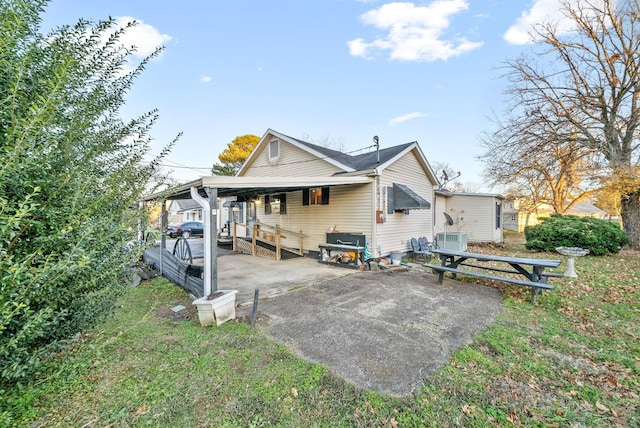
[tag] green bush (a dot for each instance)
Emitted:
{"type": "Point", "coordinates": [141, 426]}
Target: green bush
{"type": "Point", "coordinates": [70, 174]}
{"type": "Point", "coordinates": [598, 236]}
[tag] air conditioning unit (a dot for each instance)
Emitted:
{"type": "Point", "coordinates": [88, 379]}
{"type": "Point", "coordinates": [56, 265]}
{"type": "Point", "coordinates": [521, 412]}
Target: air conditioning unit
{"type": "Point", "coordinates": [456, 241]}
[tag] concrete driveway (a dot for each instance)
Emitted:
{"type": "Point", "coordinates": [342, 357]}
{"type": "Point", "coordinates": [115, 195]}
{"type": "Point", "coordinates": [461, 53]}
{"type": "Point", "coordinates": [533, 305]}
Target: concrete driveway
{"type": "Point", "coordinates": [380, 330]}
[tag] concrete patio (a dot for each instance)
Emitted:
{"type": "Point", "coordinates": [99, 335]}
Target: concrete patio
{"type": "Point", "coordinates": [380, 330]}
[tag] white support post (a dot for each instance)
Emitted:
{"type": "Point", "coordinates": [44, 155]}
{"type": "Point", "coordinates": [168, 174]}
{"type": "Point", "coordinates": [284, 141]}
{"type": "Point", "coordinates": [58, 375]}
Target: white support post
{"type": "Point", "coordinates": [163, 234]}
{"type": "Point", "coordinates": [210, 238]}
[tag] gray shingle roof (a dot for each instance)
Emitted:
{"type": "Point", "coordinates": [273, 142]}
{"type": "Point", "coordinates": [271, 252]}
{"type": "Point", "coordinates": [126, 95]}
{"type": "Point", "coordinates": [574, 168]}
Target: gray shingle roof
{"type": "Point", "coordinates": [360, 162]}
{"type": "Point", "coordinates": [186, 204]}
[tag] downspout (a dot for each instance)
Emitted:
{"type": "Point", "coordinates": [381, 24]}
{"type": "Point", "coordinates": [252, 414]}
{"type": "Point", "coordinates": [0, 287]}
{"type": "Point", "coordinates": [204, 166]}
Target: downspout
{"type": "Point", "coordinates": [210, 273]}
{"type": "Point", "coordinates": [377, 199]}
{"type": "Point", "coordinates": [433, 217]}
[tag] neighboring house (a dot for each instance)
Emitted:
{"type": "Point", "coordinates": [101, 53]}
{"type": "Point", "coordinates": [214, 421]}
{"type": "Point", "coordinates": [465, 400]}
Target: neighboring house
{"type": "Point", "coordinates": [390, 207]}
{"type": "Point", "coordinates": [231, 211]}
{"type": "Point", "coordinates": [182, 210]}
{"type": "Point", "coordinates": [517, 216]}
{"type": "Point", "coordinates": [479, 215]}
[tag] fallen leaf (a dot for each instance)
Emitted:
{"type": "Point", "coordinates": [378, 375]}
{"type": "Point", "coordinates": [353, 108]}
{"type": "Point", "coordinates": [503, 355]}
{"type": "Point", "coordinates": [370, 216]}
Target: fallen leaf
{"type": "Point", "coordinates": [467, 410]}
{"type": "Point", "coordinates": [294, 392]}
{"type": "Point", "coordinates": [602, 407]}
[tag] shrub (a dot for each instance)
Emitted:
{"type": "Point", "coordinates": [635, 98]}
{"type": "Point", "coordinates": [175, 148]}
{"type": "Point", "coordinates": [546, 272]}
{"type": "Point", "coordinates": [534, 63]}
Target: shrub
{"type": "Point", "coordinates": [71, 170]}
{"type": "Point", "coordinates": [598, 236]}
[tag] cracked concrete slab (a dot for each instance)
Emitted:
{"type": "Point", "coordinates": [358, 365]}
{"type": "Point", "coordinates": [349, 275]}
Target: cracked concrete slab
{"type": "Point", "coordinates": [380, 330]}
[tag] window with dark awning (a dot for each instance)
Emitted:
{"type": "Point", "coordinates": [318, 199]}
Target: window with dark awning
{"type": "Point", "coordinates": [406, 199]}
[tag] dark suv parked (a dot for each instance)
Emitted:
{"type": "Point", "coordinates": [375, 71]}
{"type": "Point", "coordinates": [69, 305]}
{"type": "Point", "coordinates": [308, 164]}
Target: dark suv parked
{"type": "Point", "coordinates": [186, 229]}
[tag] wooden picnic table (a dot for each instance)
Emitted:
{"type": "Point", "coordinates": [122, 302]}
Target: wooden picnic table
{"type": "Point", "coordinates": [533, 270]}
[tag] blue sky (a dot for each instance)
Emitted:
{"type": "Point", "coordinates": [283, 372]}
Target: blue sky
{"type": "Point", "coordinates": [327, 71]}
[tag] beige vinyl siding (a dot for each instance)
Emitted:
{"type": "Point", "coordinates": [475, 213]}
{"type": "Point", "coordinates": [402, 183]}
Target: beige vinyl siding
{"type": "Point", "coordinates": [291, 162]}
{"type": "Point", "coordinates": [475, 215]}
{"type": "Point", "coordinates": [438, 218]}
{"type": "Point", "coordinates": [349, 209]}
{"type": "Point", "coordinates": [396, 232]}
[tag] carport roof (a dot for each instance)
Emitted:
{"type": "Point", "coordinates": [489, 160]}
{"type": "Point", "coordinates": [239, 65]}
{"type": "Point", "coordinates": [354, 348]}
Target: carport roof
{"type": "Point", "coordinates": [251, 187]}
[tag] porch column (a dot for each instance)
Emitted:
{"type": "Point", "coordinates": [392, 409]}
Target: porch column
{"type": "Point", "coordinates": [210, 210]}
{"type": "Point", "coordinates": [163, 233]}
{"type": "Point", "coordinates": [212, 193]}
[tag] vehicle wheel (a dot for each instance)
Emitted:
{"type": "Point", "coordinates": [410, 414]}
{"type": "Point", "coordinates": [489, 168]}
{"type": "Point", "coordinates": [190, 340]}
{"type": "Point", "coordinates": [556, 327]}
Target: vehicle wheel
{"type": "Point", "coordinates": [186, 234]}
{"type": "Point", "coordinates": [182, 250]}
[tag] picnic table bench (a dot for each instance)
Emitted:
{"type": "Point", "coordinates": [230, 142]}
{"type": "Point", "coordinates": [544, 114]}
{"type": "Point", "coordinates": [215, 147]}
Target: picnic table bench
{"type": "Point", "coordinates": [533, 270]}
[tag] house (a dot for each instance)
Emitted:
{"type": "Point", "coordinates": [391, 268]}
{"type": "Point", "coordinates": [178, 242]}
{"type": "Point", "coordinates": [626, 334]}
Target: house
{"type": "Point", "coordinates": [389, 203]}
{"type": "Point", "coordinates": [518, 214]}
{"type": "Point", "coordinates": [182, 210]}
{"type": "Point", "coordinates": [387, 196]}
{"type": "Point", "coordinates": [478, 215]}
{"type": "Point", "coordinates": [382, 198]}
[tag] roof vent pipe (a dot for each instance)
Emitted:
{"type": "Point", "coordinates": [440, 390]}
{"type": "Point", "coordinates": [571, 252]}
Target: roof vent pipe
{"type": "Point", "coordinates": [376, 141]}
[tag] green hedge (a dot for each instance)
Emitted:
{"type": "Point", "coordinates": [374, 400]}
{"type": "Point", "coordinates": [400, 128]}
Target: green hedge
{"type": "Point", "coordinates": [71, 171]}
{"type": "Point", "coordinates": [598, 236]}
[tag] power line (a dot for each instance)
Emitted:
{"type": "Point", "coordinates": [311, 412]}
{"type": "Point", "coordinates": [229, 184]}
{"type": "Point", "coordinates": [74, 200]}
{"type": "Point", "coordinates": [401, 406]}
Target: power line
{"type": "Point", "coordinates": [208, 168]}
{"type": "Point", "coordinates": [316, 159]}
{"type": "Point", "coordinates": [178, 165]}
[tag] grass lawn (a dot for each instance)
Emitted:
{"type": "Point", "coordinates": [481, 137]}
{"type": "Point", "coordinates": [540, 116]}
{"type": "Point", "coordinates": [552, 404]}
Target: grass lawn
{"type": "Point", "coordinates": [572, 360]}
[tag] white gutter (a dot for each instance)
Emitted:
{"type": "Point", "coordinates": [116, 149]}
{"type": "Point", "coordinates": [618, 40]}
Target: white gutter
{"type": "Point", "coordinates": [208, 237]}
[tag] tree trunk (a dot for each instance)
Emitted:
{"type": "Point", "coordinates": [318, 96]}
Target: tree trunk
{"type": "Point", "coordinates": [630, 210]}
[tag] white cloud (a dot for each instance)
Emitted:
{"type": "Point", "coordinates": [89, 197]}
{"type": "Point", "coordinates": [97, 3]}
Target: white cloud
{"type": "Point", "coordinates": [541, 12]}
{"type": "Point", "coordinates": [406, 117]}
{"type": "Point", "coordinates": [205, 79]}
{"type": "Point", "coordinates": [414, 33]}
{"type": "Point", "coordinates": [144, 37]}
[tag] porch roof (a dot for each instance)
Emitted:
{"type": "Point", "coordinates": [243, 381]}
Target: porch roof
{"type": "Point", "coordinates": [251, 187]}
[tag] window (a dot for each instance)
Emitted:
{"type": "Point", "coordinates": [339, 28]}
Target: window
{"type": "Point", "coordinates": [315, 196]}
{"type": "Point", "coordinates": [498, 214]}
{"type": "Point", "coordinates": [274, 149]}
{"type": "Point", "coordinates": [275, 204]}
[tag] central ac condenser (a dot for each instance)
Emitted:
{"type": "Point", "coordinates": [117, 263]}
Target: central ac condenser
{"type": "Point", "coordinates": [456, 241]}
